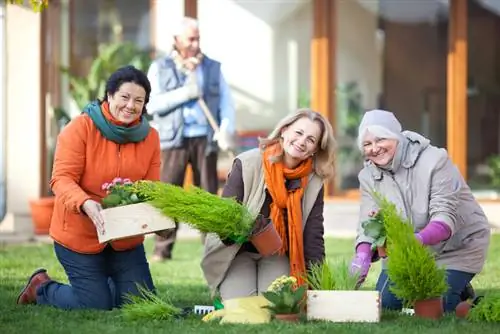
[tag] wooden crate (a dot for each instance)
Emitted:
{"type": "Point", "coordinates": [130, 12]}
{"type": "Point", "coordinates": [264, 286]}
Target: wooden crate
{"type": "Point", "coordinates": [344, 306]}
{"type": "Point", "coordinates": [133, 220]}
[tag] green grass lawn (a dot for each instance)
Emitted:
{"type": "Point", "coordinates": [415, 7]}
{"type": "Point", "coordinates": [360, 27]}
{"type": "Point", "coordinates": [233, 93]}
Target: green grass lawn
{"type": "Point", "coordinates": [182, 279]}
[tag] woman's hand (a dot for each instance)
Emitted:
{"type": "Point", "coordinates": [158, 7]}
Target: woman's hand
{"type": "Point", "coordinates": [93, 211]}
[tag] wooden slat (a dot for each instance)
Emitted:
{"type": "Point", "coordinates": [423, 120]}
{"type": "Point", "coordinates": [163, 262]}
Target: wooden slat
{"type": "Point", "coordinates": [191, 8]}
{"type": "Point", "coordinates": [456, 128]}
{"type": "Point", "coordinates": [323, 55]}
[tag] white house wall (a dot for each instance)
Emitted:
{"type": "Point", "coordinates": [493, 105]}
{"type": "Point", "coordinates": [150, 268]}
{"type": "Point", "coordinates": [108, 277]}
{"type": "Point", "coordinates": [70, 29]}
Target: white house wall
{"type": "Point", "coordinates": [23, 113]}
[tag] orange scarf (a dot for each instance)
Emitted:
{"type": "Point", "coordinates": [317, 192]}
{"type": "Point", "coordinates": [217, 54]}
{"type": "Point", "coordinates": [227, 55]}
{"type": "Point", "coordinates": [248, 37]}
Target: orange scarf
{"type": "Point", "coordinates": [275, 174]}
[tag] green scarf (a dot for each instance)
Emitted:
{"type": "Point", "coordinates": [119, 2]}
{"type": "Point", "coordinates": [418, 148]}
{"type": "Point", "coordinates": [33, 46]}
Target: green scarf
{"type": "Point", "coordinates": [116, 133]}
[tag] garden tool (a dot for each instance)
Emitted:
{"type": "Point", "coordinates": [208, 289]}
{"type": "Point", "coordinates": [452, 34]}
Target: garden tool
{"type": "Point", "coordinates": [212, 122]}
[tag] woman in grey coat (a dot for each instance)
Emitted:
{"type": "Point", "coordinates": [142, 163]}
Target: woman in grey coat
{"type": "Point", "coordinates": [421, 180]}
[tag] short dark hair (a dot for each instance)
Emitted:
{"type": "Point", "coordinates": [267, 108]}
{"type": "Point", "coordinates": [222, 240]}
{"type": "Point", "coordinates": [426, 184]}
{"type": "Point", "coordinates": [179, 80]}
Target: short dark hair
{"type": "Point", "coordinates": [127, 74]}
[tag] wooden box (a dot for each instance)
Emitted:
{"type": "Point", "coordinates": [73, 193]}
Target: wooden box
{"type": "Point", "coordinates": [344, 306]}
{"type": "Point", "coordinates": [133, 220]}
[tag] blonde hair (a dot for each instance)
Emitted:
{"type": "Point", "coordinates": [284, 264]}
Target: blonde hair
{"type": "Point", "coordinates": [324, 158]}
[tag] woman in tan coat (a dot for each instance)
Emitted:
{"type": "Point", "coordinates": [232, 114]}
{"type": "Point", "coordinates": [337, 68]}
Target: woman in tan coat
{"type": "Point", "coordinates": [283, 181]}
{"type": "Point", "coordinates": [421, 180]}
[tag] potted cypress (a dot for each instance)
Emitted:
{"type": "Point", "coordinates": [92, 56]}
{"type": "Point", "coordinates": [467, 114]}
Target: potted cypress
{"type": "Point", "coordinates": [412, 268]}
{"type": "Point", "coordinates": [163, 204]}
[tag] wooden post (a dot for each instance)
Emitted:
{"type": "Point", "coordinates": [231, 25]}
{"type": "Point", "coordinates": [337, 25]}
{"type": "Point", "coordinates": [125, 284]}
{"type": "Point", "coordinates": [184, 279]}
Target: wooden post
{"type": "Point", "coordinates": [456, 113]}
{"type": "Point", "coordinates": [190, 10]}
{"type": "Point", "coordinates": [323, 60]}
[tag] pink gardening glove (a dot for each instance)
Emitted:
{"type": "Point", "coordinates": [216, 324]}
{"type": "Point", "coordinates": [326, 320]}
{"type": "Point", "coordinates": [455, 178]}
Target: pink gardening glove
{"type": "Point", "coordinates": [362, 261]}
{"type": "Point", "coordinates": [433, 233]}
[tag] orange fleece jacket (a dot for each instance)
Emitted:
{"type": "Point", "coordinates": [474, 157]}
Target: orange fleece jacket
{"type": "Point", "coordinates": [83, 161]}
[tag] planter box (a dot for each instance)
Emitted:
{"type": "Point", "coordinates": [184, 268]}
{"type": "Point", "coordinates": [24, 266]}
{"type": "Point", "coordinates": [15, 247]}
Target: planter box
{"type": "Point", "coordinates": [344, 306]}
{"type": "Point", "coordinates": [133, 220]}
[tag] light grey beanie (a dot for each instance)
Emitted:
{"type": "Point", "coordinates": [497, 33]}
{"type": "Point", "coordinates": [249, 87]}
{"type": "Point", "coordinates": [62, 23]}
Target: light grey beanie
{"type": "Point", "coordinates": [380, 123]}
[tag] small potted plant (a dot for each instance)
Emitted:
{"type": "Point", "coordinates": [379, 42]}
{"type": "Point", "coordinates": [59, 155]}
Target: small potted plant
{"type": "Point", "coordinates": [286, 298]}
{"type": "Point", "coordinates": [194, 206]}
{"type": "Point", "coordinates": [333, 295]}
{"type": "Point", "coordinates": [374, 228]}
{"type": "Point", "coordinates": [482, 308]}
{"type": "Point", "coordinates": [411, 266]}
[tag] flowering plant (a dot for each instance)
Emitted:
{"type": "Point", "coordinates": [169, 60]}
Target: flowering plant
{"type": "Point", "coordinates": [284, 295]}
{"type": "Point", "coordinates": [120, 192]}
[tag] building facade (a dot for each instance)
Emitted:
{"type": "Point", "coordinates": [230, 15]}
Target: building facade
{"type": "Point", "coordinates": [435, 63]}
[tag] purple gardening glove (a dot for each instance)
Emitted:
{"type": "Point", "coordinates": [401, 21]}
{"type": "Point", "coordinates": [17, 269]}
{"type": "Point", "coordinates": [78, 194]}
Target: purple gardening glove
{"type": "Point", "coordinates": [433, 233]}
{"type": "Point", "coordinates": [361, 262]}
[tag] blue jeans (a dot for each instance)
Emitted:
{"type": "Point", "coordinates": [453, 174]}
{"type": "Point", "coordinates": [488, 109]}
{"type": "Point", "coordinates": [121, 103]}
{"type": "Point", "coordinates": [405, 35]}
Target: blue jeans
{"type": "Point", "coordinates": [97, 281]}
{"type": "Point", "coordinates": [457, 280]}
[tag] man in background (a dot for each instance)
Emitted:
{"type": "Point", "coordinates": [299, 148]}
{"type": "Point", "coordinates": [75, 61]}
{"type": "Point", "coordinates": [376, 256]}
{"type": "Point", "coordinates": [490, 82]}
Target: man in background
{"type": "Point", "coordinates": [178, 82]}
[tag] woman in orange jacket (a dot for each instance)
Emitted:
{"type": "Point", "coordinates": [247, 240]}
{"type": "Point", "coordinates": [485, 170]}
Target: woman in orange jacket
{"type": "Point", "coordinates": [110, 139]}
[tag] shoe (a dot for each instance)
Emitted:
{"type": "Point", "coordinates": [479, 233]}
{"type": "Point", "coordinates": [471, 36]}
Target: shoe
{"type": "Point", "coordinates": [28, 294]}
{"type": "Point", "coordinates": [468, 293]}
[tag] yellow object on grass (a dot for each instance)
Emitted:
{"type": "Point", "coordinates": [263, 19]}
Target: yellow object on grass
{"type": "Point", "coordinates": [246, 310]}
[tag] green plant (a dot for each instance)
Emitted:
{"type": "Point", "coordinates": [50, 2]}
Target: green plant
{"type": "Point", "coordinates": [304, 99]}
{"type": "Point", "coordinates": [487, 310]}
{"type": "Point", "coordinates": [325, 276]}
{"type": "Point", "coordinates": [37, 5]}
{"type": "Point", "coordinates": [147, 305]}
{"type": "Point", "coordinates": [284, 296]}
{"type": "Point", "coordinates": [494, 170]}
{"type": "Point", "coordinates": [194, 206]}
{"type": "Point", "coordinates": [374, 228]}
{"type": "Point", "coordinates": [411, 266]}
{"type": "Point", "coordinates": [120, 192]}
{"type": "Point", "coordinates": [110, 57]}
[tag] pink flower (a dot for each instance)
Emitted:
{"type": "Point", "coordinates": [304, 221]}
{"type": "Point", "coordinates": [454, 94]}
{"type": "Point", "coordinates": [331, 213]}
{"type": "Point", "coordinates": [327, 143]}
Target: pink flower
{"type": "Point", "coordinates": [105, 186]}
{"type": "Point", "coordinates": [117, 180]}
{"type": "Point", "coordinates": [127, 181]}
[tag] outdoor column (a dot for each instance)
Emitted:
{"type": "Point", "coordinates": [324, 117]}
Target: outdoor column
{"type": "Point", "coordinates": [456, 124]}
{"type": "Point", "coordinates": [191, 8]}
{"type": "Point", "coordinates": [323, 60]}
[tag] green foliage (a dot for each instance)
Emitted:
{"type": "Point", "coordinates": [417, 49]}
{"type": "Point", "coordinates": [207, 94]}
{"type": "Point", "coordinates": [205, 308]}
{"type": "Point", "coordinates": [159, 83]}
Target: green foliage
{"type": "Point", "coordinates": [494, 170]}
{"type": "Point", "coordinates": [194, 206]}
{"type": "Point", "coordinates": [411, 266]}
{"type": "Point", "coordinates": [148, 306]}
{"type": "Point", "coordinates": [325, 276]}
{"type": "Point", "coordinates": [110, 57]}
{"type": "Point", "coordinates": [37, 5]}
{"type": "Point", "coordinates": [487, 310]}
{"type": "Point", "coordinates": [284, 296]}
{"type": "Point", "coordinates": [120, 192]}
{"type": "Point", "coordinates": [304, 99]}
{"type": "Point", "coordinates": [374, 228]}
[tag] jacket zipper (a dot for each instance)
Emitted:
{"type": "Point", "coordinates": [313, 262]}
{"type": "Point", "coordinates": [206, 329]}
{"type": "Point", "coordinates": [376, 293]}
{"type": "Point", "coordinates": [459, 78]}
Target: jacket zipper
{"type": "Point", "coordinates": [407, 211]}
{"type": "Point", "coordinates": [119, 160]}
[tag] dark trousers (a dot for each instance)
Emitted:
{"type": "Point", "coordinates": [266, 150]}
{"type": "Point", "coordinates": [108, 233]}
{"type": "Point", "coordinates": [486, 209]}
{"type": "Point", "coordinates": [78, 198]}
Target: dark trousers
{"type": "Point", "coordinates": [457, 281]}
{"type": "Point", "coordinates": [97, 281]}
{"type": "Point", "coordinates": [174, 165]}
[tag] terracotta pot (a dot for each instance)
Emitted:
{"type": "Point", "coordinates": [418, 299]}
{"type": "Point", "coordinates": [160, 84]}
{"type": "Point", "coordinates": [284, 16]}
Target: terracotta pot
{"type": "Point", "coordinates": [429, 308]}
{"type": "Point", "coordinates": [381, 251]}
{"type": "Point", "coordinates": [287, 317]}
{"type": "Point", "coordinates": [41, 214]}
{"type": "Point", "coordinates": [267, 241]}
